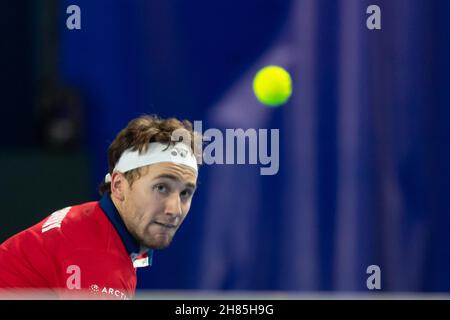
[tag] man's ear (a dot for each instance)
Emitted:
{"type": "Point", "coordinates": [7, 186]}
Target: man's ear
{"type": "Point", "coordinates": [118, 185]}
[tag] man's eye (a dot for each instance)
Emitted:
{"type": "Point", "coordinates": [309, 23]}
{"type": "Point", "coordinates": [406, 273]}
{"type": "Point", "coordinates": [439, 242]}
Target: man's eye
{"type": "Point", "coordinates": [161, 188]}
{"type": "Point", "coordinates": [186, 193]}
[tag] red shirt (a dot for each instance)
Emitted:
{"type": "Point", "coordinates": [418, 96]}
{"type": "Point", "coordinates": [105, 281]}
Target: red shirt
{"type": "Point", "coordinates": [81, 249]}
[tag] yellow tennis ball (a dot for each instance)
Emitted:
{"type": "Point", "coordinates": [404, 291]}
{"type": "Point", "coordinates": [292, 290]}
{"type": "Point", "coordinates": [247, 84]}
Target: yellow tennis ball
{"type": "Point", "coordinates": [272, 86]}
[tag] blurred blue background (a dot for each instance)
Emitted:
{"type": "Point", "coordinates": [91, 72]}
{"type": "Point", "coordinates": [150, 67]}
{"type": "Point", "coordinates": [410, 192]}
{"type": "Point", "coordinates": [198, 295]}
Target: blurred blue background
{"type": "Point", "coordinates": [364, 158]}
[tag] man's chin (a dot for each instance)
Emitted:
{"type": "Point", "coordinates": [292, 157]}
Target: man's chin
{"type": "Point", "coordinates": [158, 244]}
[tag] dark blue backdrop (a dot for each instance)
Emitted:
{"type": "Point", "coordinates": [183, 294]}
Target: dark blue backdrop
{"type": "Point", "coordinates": [364, 171]}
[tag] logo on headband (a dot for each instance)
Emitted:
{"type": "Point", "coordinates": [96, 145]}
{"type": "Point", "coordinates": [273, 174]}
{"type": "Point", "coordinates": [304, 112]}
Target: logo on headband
{"type": "Point", "coordinates": [178, 151]}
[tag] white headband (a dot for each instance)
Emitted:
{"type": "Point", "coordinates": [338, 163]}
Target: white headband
{"type": "Point", "coordinates": [156, 152]}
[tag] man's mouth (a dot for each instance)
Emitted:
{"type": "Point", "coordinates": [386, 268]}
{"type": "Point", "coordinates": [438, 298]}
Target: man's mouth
{"type": "Point", "coordinates": [165, 225]}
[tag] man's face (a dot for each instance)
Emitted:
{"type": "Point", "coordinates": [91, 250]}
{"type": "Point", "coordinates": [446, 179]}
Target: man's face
{"type": "Point", "coordinates": [156, 204]}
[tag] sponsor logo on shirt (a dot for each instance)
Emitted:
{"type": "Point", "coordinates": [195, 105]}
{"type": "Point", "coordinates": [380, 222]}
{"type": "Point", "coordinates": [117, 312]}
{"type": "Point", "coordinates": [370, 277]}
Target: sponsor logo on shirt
{"type": "Point", "coordinates": [55, 219]}
{"type": "Point", "coordinates": [95, 289]}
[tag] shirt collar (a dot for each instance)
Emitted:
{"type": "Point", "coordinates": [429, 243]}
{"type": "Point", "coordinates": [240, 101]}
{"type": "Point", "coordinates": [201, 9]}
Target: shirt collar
{"type": "Point", "coordinates": [140, 256]}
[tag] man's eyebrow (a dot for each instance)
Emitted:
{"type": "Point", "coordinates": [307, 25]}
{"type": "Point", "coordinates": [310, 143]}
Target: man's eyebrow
{"type": "Point", "coordinates": [175, 178]}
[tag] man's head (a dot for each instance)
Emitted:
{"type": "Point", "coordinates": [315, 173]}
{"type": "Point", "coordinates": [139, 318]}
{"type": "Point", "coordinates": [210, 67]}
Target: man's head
{"type": "Point", "coordinates": [154, 199]}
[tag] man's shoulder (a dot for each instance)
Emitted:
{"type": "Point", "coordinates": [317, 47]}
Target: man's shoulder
{"type": "Point", "coordinates": [72, 226]}
{"type": "Point", "coordinates": [74, 217]}
{"type": "Point", "coordinates": [84, 225]}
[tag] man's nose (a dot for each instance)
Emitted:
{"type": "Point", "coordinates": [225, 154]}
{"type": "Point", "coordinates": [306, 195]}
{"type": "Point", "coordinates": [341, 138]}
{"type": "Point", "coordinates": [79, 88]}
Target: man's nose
{"type": "Point", "coordinates": [173, 205]}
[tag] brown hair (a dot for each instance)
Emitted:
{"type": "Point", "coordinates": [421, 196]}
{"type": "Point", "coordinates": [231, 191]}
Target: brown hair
{"type": "Point", "coordinates": [139, 133]}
